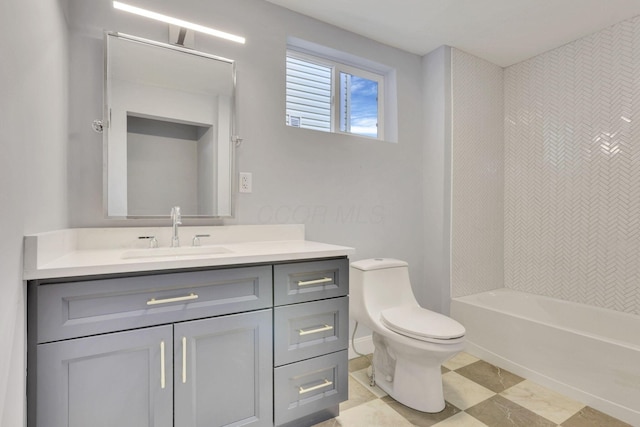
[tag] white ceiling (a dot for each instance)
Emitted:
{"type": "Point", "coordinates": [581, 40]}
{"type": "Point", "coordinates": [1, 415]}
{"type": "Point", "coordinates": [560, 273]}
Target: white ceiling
{"type": "Point", "coordinates": [501, 31]}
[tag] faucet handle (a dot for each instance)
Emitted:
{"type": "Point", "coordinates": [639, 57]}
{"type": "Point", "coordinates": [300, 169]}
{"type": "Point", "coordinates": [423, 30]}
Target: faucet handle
{"type": "Point", "coordinates": [153, 242]}
{"type": "Point", "coordinates": [196, 239]}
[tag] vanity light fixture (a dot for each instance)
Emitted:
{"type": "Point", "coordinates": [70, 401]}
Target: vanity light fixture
{"type": "Point", "coordinates": [178, 22]}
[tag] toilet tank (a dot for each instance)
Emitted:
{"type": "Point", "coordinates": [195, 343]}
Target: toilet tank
{"type": "Point", "coordinates": [377, 284]}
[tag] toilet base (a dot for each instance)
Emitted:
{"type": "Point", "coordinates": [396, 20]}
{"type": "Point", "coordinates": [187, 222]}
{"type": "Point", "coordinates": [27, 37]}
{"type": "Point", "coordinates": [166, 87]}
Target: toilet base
{"type": "Point", "coordinates": [412, 376]}
{"type": "Point", "coordinates": [424, 392]}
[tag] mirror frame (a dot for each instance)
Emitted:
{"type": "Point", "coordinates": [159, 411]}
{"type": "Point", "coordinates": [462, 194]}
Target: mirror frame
{"type": "Point", "coordinates": [233, 138]}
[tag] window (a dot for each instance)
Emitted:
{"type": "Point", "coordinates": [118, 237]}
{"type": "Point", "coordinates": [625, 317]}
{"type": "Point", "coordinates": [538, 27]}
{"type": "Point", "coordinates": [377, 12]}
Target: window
{"type": "Point", "coordinates": [329, 96]}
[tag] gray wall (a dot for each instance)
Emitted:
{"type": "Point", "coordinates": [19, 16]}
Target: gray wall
{"type": "Point", "coordinates": [33, 166]}
{"type": "Point", "coordinates": [346, 190]}
{"type": "Point", "coordinates": [436, 180]}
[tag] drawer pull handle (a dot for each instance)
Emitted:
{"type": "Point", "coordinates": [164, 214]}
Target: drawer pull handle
{"type": "Point", "coordinates": [162, 374]}
{"type": "Point", "coordinates": [326, 383]}
{"type": "Point", "coordinates": [154, 301]}
{"type": "Point", "coordinates": [302, 332]}
{"type": "Point", "coordinates": [184, 360]}
{"type": "Point", "coordinates": [314, 282]}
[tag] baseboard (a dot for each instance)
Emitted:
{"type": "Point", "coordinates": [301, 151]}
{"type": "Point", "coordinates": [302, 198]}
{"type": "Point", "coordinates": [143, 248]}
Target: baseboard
{"type": "Point", "coordinates": [364, 345]}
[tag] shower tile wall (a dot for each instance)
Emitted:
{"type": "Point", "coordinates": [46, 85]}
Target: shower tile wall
{"type": "Point", "coordinates": [572, 171]}
{"type": "Point", "coordinates": [477, 175]}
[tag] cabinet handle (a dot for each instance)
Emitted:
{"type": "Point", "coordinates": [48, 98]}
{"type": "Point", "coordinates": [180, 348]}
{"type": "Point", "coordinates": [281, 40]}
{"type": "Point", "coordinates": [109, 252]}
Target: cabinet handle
{"type": "Point", "coordinates": [154, 301]}
{"type": "Point", "coordinates": [326, 383]}
{"type": "Point", "coordinates": [314, 282]}
{"type": "Point", "coordinates": [324, 328]}
{"type": "Point", "coordinates": [162, 370]}
{"type": "Point", "coordinates": [184, 360]}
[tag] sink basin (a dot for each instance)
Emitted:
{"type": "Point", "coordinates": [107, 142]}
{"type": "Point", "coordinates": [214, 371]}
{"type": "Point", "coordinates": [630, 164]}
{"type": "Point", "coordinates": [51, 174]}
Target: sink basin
{"type": "Point", "coordinates": [175, 252]}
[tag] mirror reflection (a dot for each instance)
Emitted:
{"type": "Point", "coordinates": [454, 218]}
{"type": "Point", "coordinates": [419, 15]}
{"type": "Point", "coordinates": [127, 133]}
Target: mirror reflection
{"type": "Point", "coordinates": [169, 129]}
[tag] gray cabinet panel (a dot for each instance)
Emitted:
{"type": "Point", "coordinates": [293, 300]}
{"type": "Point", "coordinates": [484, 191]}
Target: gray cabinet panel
{"type": "Point", "coordinates": [113, 380]}
{"type": "Point", "coordinates": [310, 386]}
{"type": "Point", "coordinates": [306, 330]}
{"type": "Point", "coordinates": [223, 371]}
{"type": "Point", "coordinates": [309, 281]}
{"type": "Point", "coordinates": [70, 310]}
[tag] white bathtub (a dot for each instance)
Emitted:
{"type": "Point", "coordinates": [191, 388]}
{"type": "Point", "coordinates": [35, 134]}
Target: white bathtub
{"type": "Point", "coordinates": [587, 353]}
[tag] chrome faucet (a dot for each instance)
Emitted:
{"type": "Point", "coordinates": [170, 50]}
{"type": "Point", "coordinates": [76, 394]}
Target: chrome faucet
{"type": "Point", "coordinates": [176, 219]}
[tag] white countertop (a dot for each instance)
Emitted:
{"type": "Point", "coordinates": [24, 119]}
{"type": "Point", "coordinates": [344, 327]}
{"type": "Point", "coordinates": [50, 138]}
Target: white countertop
{"type": "Point", "coordinates": [82, 252]}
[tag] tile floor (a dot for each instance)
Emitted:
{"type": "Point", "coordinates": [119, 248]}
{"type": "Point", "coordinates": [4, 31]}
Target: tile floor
{"type": "Point", "coordinates": [477, 394]}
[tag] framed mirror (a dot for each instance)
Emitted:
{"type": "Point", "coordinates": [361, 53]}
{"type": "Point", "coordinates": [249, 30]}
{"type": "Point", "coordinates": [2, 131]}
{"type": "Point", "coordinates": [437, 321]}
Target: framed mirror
{"type": "Point", "coordinates": [169, 116]}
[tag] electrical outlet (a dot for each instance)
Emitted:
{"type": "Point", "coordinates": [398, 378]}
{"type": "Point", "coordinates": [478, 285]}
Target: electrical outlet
{"type": "Point", "coordinates": [245, 182]}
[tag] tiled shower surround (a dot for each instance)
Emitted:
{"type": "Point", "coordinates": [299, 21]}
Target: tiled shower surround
{"type": "Point", "coordinates": [572, 171]}
{"type": "Point", "coordinates": [477, 175]}
{"type": "Point", "coordinates": [571, 184]}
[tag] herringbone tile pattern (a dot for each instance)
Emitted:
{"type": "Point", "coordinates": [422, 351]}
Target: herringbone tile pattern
{"type": "Point", "coordinates": [572, 171]}
{"type": "Point", "coordinates": [477, 175]}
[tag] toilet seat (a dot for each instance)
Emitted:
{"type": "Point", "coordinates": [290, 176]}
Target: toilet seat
{"type": "Point", "coordinates": [422, 324]}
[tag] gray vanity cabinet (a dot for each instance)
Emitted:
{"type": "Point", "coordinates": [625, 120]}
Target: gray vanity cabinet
{"type": "Point", "coordinates": [251, 345]}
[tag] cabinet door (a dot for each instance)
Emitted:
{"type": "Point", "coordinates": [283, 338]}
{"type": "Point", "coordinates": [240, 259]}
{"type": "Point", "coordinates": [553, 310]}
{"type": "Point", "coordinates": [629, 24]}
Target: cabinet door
{"type": "Point", "coordinates": [121, 379]}
{"type": "Point", "coordinates": [223, 371]}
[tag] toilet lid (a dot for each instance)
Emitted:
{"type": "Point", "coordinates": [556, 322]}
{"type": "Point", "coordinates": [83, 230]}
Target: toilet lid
{"type": "Point", "coordinates": [420, 323]}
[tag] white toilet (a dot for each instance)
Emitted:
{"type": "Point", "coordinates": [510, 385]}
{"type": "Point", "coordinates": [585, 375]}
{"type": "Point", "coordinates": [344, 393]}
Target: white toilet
{"type": "Point", "coordinates": [411, 342]}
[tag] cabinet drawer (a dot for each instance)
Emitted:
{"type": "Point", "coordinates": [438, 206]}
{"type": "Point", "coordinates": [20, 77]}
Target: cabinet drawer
{"type": "Point", "coordinates": [68, 310]}
{"type": "Point", "coordinates": [303, 331]}
{"type": "Point", "coordinates": [309, 281]}
{"type": "Point", "coordinates": [310, 386]}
